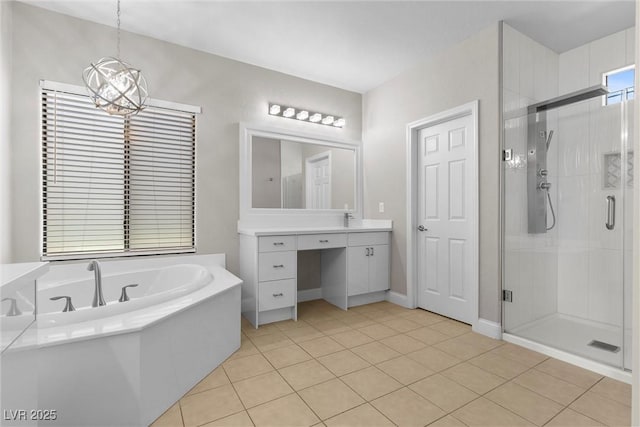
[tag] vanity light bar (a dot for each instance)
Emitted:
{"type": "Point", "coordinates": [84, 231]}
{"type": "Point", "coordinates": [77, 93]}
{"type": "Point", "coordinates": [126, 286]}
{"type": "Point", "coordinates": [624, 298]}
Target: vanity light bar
{"type": "Point", "coordinates": [306, 116]}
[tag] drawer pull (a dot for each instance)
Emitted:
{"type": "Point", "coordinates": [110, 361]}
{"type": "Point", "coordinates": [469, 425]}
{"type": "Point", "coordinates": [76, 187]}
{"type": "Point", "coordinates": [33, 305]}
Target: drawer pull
{"type": "Point", "coordinates": [278, 295]}
{"type": "Point", "coordinates": [324, 241]}
{"type": "Point", "coordinates": [278, 266]}
{"type": "Point", "coordinates": [278, 243]}
{"type": "Point", "coordinates": [368, 252]}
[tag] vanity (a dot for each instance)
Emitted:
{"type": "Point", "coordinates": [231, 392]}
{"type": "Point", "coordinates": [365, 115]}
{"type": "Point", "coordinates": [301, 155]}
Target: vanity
{"type": "Point", "coordinates": [301, 195]}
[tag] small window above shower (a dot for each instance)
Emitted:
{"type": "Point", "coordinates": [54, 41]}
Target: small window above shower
{"type": "Point", "coordinates": [621, 84]}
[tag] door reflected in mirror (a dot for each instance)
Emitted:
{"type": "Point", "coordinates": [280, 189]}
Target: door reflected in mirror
{"type": "Point", "coordinates": [295, 175]}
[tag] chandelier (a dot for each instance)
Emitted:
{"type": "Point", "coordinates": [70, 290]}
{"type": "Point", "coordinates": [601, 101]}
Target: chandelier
{"type": "Point", "coordinates": [114, 85]}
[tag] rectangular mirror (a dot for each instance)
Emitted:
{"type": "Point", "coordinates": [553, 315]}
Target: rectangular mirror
{"type": "Point", "coordinates": [286, 172]}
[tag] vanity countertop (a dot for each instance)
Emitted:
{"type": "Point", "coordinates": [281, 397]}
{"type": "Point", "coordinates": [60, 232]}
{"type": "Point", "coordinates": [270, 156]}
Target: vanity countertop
{"type": "Point", "coordinates": [359, 226]}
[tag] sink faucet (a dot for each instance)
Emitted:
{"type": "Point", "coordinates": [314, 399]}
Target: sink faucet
{"type": "Point", "coordinates": [347, 217]}
{"type": "Point", "coordinates": [98, 299]}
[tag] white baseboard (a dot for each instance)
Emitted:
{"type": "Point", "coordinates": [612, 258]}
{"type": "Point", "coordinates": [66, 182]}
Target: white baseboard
{"type": "Point", "coordinates": [309, 294]}
{"type": "Point", "coordinates": [399, 299]}
{"type": "Point", "coordinates": [372, 297]}
{"type": "Point", "coordinates": [488, 328]}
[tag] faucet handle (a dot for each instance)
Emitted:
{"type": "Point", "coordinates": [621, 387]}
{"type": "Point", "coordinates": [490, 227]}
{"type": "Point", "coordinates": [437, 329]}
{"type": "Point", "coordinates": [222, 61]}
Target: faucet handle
{"type": "Point", "coordinates": [123, 296]}
{"type": "Point", "coordinates": [68, 306]}
{"type": "Point", "coordinates": [13, 310]}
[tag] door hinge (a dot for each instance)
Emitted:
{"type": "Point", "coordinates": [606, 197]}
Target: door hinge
{"type": "Point", "coordinates": [507, 155]}
{"type": "Point", "coordinates": [507, 295]}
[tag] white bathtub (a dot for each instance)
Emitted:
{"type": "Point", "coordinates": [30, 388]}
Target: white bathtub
{"type": "Point", "coordinates": [155, 286]}
{"type": "Point", "coordinates": [126, 363]}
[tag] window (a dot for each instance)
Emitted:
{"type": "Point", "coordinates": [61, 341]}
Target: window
{"type": "Point", "coordinates": [114, 186]}
{"type": "Point", "coordinates": [620, 84]}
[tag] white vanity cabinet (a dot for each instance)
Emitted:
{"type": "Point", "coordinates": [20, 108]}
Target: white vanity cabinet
{"type": "Point", "coordinates": [268, 266]}
{"type": "Point", "coordinates": [354, 268]}
{"type": "Point", "coordinates": [368, 263]}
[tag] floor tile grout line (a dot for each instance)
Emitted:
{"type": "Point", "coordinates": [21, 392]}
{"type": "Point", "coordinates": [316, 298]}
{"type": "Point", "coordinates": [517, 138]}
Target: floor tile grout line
{"type": "Point", "coordinates": [329, 333]}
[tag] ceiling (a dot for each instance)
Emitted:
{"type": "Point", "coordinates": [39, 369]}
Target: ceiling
{"type": "Point", "coordinates": [354, 45]}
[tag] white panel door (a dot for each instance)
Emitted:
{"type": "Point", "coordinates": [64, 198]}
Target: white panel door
{"type": "Point", "coordinates": [318, 177]}
{"type": "Point", "coordinates": [447, 219]}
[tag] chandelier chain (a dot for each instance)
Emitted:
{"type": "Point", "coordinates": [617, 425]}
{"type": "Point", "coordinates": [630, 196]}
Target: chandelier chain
{"type": "Point", "coordinates": [118, 36]}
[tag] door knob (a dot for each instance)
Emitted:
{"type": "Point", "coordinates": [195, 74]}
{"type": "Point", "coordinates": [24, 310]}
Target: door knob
{"type": "Point", "coordinates": [422, 228]}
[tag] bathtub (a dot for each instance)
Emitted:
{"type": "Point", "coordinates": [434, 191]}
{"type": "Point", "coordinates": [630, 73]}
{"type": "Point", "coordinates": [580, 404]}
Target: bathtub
{"type": "Point", "coordinates": [155, 286]}
{"type": "Point", "coordinates": [125, 363]}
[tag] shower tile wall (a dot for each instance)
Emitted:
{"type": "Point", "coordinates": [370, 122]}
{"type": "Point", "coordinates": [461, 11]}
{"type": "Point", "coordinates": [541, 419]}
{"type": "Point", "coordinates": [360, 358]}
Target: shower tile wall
{"type": "Point", "coordinates": [530, 75]}
{"type": "Point", "coordinates": [589, 266]}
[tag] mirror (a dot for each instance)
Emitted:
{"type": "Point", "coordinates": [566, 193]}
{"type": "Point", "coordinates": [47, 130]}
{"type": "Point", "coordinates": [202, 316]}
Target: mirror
{"type": "Point", "coordinates": [301, 173]}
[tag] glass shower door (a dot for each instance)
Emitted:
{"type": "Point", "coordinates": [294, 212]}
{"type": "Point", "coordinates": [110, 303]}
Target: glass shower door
{"type": "Point", "coordinates": [566, 219]}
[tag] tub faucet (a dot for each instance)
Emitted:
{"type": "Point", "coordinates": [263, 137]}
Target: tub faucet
{"type": "Point", "coordinates": [98, 299]}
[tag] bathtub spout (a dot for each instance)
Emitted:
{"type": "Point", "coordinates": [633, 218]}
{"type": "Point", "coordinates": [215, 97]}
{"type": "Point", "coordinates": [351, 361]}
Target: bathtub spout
{"type": "Point", "coordinates": [98, 299]}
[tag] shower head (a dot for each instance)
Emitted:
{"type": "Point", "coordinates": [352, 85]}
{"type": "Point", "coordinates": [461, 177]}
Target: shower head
{"type": "Point", "coordinates": [549, 139]}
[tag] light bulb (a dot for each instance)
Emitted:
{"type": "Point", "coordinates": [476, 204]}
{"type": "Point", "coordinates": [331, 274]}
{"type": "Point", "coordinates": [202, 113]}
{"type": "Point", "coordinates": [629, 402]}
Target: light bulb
{"type": "Point", "coordinates": [274, 110]}
{"type": "Point", "coordinates": [339, 123]}
{"type": "Point", "coordinates": [289, 112]}
{"type": "Point", "coordinates": [327, 120]}
{"type": "Point", "coordinates": [315, 118]}
{"type": "Point", "coordinates": [302, 115]}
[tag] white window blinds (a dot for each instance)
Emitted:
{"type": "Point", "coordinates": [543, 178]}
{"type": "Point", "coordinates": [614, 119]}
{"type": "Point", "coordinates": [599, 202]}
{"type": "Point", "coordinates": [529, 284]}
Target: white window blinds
{"type": "Point", "coordinates": [114, 185]}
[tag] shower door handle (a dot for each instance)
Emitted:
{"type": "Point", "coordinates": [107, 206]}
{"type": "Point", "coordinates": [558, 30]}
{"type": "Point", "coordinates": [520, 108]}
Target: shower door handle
{"type": "Point", "coordinates": [611, 213]}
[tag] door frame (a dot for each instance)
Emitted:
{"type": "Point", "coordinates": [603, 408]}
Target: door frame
{"type": "Point", "coordinates": [470, 108]}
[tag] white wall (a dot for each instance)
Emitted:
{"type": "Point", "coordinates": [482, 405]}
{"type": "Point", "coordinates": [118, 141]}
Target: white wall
{"type": "Point", "coordinates": [5, 130]}
{"type": "Point", "coordinates": [591, 257]}
{"type": "Point", "coordinates": [463, 73]}
{"type": "Point", "coordinates": [56, 47]}
{"type": "Point", "coordinates": [530, 75]}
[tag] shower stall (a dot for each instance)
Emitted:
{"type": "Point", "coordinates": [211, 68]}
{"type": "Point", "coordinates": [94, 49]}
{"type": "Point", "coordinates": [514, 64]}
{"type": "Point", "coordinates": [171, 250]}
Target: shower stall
{"type": "Point", "coordinates": [566, 208]}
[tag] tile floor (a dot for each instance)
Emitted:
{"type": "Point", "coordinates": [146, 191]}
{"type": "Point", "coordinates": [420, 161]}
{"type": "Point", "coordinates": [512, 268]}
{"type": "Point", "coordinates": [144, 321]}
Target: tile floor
{"type": "Point", "coordinates": [383, 365]}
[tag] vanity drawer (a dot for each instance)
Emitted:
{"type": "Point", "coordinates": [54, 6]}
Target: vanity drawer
{"type": "Point", "coordinates": [277, 265]}
{"type": "Point", "coordinates": [276, 243]}
{"type": "Point", "coordinates": [366, 239]}
{"type": "Point", "coordinates": [322, 241]}
{"type": "Point", "coordinates": [276, 294]}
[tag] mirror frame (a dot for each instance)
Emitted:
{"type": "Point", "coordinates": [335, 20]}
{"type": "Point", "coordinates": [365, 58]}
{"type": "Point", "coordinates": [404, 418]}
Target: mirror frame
{"type": "Point", "coordinates": [248, 131]}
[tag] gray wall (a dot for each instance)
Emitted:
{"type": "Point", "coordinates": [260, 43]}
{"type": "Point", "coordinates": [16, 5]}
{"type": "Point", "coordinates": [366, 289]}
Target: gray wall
{"type": "Point", "coordinates": [265, 173]}
{"type": "Point", "coordinates": [56, 47]}
{"type": "Point", "coordinates": [5, 131]}
{"type": "Point", "coordinates": [463, 73]}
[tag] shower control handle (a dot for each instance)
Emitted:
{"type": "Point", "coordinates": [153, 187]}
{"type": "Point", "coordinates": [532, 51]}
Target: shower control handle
{"type": "Point", "coordinates": [611, 213]}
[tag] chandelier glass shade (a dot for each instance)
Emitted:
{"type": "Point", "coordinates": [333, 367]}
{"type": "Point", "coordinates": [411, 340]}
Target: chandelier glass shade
{"type": "Point", "coordinates": [115, 86]}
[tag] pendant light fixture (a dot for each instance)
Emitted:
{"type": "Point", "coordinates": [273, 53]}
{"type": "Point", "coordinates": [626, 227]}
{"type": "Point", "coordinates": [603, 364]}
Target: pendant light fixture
{"type": "Point", "coordinates": [115, 86]}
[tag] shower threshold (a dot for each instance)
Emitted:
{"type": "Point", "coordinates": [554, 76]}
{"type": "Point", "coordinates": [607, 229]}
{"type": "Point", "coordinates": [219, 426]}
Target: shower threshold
{"type": "Point", "coordinates": [574, 336]}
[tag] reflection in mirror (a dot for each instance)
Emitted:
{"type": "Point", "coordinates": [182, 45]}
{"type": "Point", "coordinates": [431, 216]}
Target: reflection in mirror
{"type": "Point", "coordinates": [295, 175]}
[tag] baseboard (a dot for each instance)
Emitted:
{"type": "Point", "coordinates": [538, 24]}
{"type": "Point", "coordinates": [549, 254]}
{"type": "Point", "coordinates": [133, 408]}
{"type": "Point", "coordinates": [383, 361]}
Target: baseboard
{"type": "Point", "coordinates": [488, 328]}
{"type": "Point", "coordinates": [398, 299]}
{"type": "Point", "coordinates": [372, 297]}
{"type": "Point", "coordinates": [309, 294]}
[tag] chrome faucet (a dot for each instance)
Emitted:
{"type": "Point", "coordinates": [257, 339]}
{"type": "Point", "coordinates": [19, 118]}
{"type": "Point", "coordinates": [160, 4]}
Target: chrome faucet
{"type": "Point", "coordinates": [347, 217]}
{"type": "Point", "coordinates": [98, 299]}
